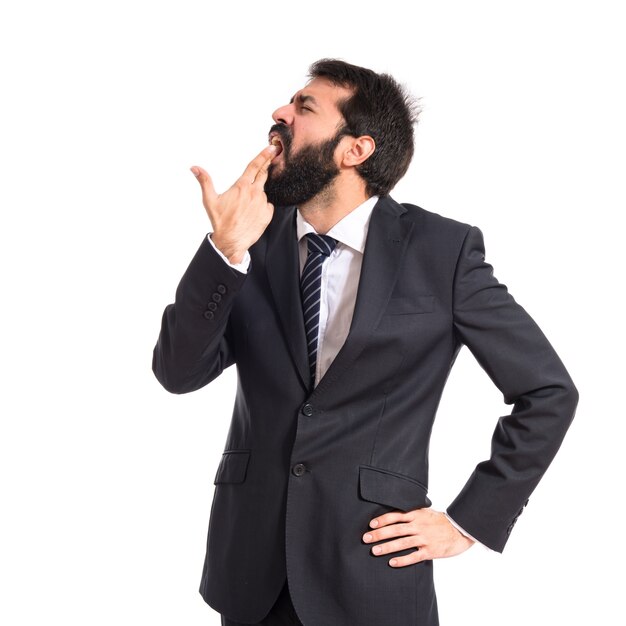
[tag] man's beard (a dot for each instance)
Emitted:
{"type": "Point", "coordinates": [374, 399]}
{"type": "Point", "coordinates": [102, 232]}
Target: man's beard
{"type": "Point", "coordinates": [305, 174]}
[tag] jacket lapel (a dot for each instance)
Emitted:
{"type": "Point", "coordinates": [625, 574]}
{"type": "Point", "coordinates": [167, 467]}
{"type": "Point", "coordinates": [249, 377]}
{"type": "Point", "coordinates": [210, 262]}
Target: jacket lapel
{"type": "Point", "coordinates": [385, 246]}
{"type": "Point", "coordinates": [283, 274]}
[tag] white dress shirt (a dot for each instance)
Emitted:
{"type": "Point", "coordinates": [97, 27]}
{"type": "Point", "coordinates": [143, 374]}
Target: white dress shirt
{"type": "Point", "coordinates": [341, 272]}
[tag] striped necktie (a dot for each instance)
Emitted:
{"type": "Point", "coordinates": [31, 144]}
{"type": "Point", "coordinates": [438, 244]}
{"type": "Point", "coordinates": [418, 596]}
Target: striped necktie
{"type": "Point", "coordinates": [320, 247]}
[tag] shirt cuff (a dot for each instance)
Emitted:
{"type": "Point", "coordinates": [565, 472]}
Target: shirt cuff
{"type": "Point", "coordinates": [465, 533]}
{"type": "Point", "coordinates": [240, 267]}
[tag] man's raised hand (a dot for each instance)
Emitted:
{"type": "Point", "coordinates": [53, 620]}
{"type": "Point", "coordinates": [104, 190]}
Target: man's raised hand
{"type": "Point", "coordinates": [241, 214]}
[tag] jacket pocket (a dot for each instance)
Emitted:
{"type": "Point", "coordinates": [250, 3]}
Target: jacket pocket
{"type": "Point", "coordinates": [409, 306]}
{"type": "Point", "coordinates": [232, 467]}
{"type": "Point", "coordinates": [391, 489]}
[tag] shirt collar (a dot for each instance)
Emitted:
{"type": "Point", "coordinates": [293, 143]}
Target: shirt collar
{"type": "Point", "coordinates": [350, 230]}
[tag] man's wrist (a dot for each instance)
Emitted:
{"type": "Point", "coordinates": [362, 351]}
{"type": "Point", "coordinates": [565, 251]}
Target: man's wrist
{"type": "Point", "coordinates": [239, 264]}
{"type": "Point", "coordinates": [460, 529]}
{"type": "Point", "coordinates": [235, 256]}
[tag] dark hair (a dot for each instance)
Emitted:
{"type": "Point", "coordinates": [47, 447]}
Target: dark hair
{"type": "Point", "coordinates": [381, 108]}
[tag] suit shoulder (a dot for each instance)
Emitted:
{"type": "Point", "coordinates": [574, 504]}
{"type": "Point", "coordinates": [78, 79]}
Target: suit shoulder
{"type": "Point", "coordinates": [430, 219]}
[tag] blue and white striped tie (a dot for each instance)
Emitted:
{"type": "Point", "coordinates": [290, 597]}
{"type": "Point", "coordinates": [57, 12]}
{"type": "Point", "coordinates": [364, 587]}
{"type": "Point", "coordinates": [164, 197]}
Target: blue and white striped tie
{"type": "Point", "coordinates": [320, 247]}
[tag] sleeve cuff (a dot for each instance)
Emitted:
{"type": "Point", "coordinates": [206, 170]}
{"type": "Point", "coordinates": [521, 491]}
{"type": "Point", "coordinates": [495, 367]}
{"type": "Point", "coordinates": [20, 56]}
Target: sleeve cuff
{"type": "Point", "coordinates": [240, 267]}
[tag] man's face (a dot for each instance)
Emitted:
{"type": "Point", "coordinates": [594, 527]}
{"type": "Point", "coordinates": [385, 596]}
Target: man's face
{"type": "Point", "coordinates": [308, 129]}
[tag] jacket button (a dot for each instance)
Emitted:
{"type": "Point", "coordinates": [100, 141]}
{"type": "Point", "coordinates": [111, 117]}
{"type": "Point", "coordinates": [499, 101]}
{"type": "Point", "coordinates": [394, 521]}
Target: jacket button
{"type": "Point", "coordinates": [221, 289]}
{"type": "Point", "coordinates": [209, 315]}
{"type": "Point", "coordinates": [307, 409]}
{"type": "Point", "coordinates": [212, 306]}
{"type": "Point", "coordinates": [216, 297]}
{"type": "Point", "coordinates": [298, 469]}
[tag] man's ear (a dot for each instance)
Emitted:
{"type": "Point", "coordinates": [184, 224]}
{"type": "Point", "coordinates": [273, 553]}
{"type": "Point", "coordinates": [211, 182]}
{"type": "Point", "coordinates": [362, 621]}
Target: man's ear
{"type": "Point", "coordinates": [356, 150]}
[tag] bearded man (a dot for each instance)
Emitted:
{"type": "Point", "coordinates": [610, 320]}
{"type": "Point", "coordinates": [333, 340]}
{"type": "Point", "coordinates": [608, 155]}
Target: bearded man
{"type": "Point", "coordinates": [343, 312]}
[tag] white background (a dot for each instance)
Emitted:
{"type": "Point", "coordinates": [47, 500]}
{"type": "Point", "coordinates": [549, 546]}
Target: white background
{"type": "Point", "coordinates": [106, 479]}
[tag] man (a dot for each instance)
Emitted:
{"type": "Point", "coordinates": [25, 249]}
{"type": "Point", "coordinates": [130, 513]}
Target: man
{"type": "Point", "coordinates": [344, 312]}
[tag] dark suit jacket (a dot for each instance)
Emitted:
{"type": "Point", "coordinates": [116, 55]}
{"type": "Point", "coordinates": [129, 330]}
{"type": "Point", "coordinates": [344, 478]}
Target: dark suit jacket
{"type": "Point", "coordinates": [304, 470]}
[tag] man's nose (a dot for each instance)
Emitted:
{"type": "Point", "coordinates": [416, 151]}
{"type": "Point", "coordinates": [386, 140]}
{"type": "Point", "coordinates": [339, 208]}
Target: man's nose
{"type": "Point", "coordinates": [284, 115]}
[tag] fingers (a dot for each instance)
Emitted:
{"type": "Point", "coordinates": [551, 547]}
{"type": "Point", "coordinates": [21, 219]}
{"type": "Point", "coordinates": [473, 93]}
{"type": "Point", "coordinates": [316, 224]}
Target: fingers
{"type": "Point", "coordinates": [416, 556]}
{"type": "Point", "coordinates": [206, 184]}
{"type": "Point", "coordinates": [256, 172]}
{"type": "Point", "coordinates": [403, 543]}
{"type": "Point", "coordinates": [393, 530]}
{"type": "Point", "coordinates": [395, 524]}
{"type": "Point", "coordinates": [389, 518]}
{"type": "Point", "coordinates": [406, 538]}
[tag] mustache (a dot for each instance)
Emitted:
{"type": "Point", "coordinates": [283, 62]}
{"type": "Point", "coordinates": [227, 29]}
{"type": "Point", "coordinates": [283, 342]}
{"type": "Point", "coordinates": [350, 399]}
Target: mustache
{"type": "Point", "coordinates": [284, 133]}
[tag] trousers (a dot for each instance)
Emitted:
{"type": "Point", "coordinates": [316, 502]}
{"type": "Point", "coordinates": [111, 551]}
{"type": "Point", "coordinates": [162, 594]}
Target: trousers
{"type": "Point", "coordinates": [281, 614]}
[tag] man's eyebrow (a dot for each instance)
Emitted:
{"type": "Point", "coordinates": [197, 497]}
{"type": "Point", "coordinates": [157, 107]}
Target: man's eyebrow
{"type": "Point", "coordinates": [302, 98]}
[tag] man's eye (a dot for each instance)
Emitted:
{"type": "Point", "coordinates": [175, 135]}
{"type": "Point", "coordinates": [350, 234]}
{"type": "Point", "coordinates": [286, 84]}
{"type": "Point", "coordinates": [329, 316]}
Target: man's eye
{"type": "Point", "coordinates": [306, 108]}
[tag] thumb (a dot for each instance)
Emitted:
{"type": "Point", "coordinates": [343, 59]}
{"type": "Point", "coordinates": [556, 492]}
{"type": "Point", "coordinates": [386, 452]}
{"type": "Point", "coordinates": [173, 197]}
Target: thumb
{"type": "Point", "coordinates": [206, 184]}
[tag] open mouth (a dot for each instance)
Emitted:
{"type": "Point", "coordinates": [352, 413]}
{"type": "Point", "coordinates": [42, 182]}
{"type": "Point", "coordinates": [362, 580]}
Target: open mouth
{"type": "Point", "coordinates": [275, 141]}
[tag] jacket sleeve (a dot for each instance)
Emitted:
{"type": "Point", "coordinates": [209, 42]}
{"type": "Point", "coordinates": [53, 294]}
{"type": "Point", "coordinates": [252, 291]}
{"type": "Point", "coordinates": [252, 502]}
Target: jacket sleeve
{"type": "Point", "coordinates": [194, 345]}
{"type": "Point", "coordinates": [519, 359]}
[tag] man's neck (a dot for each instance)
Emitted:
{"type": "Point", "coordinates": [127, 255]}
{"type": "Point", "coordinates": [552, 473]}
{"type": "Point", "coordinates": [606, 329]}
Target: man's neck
{"type": "Point", "coordinates": [331, 205]}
